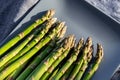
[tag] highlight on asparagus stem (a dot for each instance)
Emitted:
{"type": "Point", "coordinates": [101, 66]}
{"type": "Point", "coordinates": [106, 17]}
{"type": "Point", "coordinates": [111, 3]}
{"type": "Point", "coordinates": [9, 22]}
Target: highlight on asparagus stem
{"type": "Point", "coordinates": [30, 53]}
{"type": "Point", "coordinates": [69, 61]}
{"type": "Point", "coordinates": [50, 59]}
{"type": "Point", "coordinates": [96, 63]}
{"type": "Point", "coordinates": [42, 55]}
{"type": "Point", "coordinates": [45, 28]}
{"type": "Point", "coordinates": [21, 35]}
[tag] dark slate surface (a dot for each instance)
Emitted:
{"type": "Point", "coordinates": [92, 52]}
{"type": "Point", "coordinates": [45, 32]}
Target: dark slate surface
{"type": "Point", "coordinates": [11, 13]}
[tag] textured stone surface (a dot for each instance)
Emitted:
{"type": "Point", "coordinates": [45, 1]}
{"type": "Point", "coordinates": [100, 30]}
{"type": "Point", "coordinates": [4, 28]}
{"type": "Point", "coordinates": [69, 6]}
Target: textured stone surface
{"type": "Point", "coordinates": [110, 7]}
{"type": "Point", "coordinates": [11, 12]}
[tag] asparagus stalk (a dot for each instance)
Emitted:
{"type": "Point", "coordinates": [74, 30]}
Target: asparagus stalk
{"type": "Point", "coordinates": [15, 51]}
{"type": "Point", "coordinates": [30, 53]}
{"type": "Point", "coordinates": [45, 28]}
{"type": "Point", "coordinates": [67, 73]}
{"type": "Point", "coordinates": [53, 73]}
{"type": "Point", "coordinates": [56, 63]}
{"type": "Point", "coordinates": [16, 73]}
{"type": "Point", "coordinates": [69, 61]}
{"type": "Point", "coordinates": [41, 56]}
{"type": "Point", "coordinates": [96, 63]}
{"type": "Point", "coordinates": [50, 59]}
{"type": "Point", "coordinates": [80, 60]}
{"type": "Point", "coordinates": [21, 35]}
{"type": "Point", "coordinates": [84, 65]}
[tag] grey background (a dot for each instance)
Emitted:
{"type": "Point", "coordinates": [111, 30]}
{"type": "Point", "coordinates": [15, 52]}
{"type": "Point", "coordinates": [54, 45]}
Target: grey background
{"type": "Point", "coordinates": [83, 21]}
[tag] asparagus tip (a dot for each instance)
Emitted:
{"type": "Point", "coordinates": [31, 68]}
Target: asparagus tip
{"type": "Point", "coordinates": [54, 19]}
{"type": "Point", "coordinates": [99, 50]}
{"type": "Point", "coordinates": [68, 41]}
{"type": "Point", "coordinates": [62, 32]}
{"type": "Point", "coordinates": [80, 42]}
{"type": "Point", "coordinates": [50, 13]}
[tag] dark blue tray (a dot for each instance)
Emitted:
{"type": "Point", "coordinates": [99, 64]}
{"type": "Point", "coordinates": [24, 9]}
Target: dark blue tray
{"type": "Point", "coordinates": [83, 20]}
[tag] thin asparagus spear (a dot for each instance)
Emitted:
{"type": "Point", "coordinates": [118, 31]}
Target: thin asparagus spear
{"type": "Point", "coordinates": [69, 61]}
{"type": "Point", "coordinates": [56, 63]}
{"type": "Point", "coordinates": [84, 65]}
{"type": "Point", "coordinates": [96, 63]}
{"type": "Point", "coordinates": [41, 56]}
{"type": "Point", "coordinates": [21, 35]}
{"type": "Point", "coordinates": [30, 53]}
{"type": "Point", "coordinates": [67, 73]}
{"type": "Point", "coordinates": [86, 49]}
{"type": "Point", "coordinates": [45, 28]}
{"type": "Point", "coordinates": [50, 59]}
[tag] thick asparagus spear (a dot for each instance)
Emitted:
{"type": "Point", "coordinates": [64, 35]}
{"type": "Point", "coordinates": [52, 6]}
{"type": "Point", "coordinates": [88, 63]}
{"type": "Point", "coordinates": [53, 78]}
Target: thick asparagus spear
{"type": "Point", "coordinates": [56, 63]}
{"type": "Point", "coordinates": [17, 72]}
{"type": "Point", "coordinates": [84, 65]}
{"type": "Point", "coordinates": [96, 63]}
{"type": "Point", "coordinates": [80, 60]}
{"type": "Point", "coordinates": [50, 59]}
{"type": "Point", "coordinates": [69, 61]}
{"type": "Point", "coordinates": [15, 51]}
{"type": "Point", "coordinates": [41, 56]}
{"type": "Point", "coordinates": [30, 53]}
{"type": "Point", "coordinates": [67, 73]}
{"type": "Point", "coordinates": [45, 28]}
{"type": "Point", "coordinates": [21, 35]}
{"type": "Point", "coordinates": [53, 73]}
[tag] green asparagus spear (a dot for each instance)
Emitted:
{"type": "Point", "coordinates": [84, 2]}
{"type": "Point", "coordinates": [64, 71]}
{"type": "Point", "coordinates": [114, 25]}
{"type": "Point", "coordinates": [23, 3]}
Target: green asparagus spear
{"type": "Point", "coordinates": [96, 63]}
{"type": "Point", "coordinates": [17, 72]}
{"type": "Point", "coordinates": [41, 56]}
{"type": "Point", "coordinates": [50, 59]}
{"type": "Point", "coordinates": [84, 65]}
{"type": "Point", "coordinates": [53, 73]}
{"type": "Point", "coordinates": [15, 51]}
{"type": "Point", "coordinates": [45, 28]}
{"type": "Point", "coordinates": [67, 73]}
{"type": "Point", "coordinates": [30, 53]}
{"type": "Point", "coordinates": [55, 64]}
{"type": "Point", "coordinates": [21, 35]}
{"type": "Point", "coordinates": [81, 58]}
{"type": "Point", "coordinates": [69, 61]}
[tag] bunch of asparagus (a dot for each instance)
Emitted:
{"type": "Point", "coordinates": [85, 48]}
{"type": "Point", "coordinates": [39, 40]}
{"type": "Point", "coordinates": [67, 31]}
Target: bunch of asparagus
{"type": "Point", "coordinates": [41, 53]}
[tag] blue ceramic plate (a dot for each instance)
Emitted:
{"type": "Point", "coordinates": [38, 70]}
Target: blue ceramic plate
{"type": "Point", "coordinates": [82, 21]}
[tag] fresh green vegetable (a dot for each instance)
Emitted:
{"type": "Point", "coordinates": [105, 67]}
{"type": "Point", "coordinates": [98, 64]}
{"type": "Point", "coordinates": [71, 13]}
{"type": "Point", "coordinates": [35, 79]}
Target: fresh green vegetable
{"type": "Point", "coordinates": [42, 55]}
{"type": "Point", "coordinates": [30, 53]}
{"type": "Point", "coordinates": [50, 59]}
{"type": "Point", "coordinates": [95, 64]}
{"type": "Point", "coordinates": [21, 35]}
{"type": "Point", "coordinates": [69, 62]}
{"type": "Point", "coordinates": [45, 28]}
